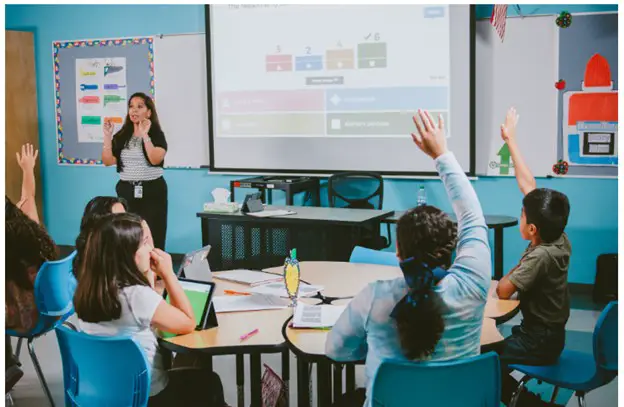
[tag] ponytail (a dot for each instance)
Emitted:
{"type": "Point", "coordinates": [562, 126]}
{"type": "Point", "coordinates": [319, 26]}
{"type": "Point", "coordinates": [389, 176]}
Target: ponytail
{"type": "Point", "coordinates": [419, 314]}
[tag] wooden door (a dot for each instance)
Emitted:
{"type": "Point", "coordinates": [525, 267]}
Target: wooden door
{"type": "Point", "coordinates": [20, 111]}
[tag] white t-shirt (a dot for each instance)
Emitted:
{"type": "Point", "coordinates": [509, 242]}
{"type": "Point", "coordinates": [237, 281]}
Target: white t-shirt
{"type": "Point", "coordinates": [138, 305]}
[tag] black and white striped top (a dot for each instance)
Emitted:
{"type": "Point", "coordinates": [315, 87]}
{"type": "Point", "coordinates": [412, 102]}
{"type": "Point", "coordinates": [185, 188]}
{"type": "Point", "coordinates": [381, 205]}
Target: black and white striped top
{"type": "Point", "coordinates": [135, 164]}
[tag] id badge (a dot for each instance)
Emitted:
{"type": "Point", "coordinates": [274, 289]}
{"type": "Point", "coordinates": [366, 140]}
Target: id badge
{"type": "Point", "coordinates": [138, 191]}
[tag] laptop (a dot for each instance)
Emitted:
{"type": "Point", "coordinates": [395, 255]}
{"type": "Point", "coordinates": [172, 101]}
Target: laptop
{"type": "Point", "coordinates": [195, 265]}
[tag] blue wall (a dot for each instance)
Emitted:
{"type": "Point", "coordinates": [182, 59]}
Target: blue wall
{"type": "Point", "coordinates": [593, 221]}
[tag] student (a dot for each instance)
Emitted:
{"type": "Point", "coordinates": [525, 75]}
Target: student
{"type": "Point", "coordinates": [138, 150]}
{"type": "Point", "coordinates": [114, 297]}
{"type": "Point", "coordinates": [410, 318]}
{"type": "Point", "coordinates": [541, 276]}
{"type": "Point", "coordinates": [28, 246]}
{"type": "Point", "coordinates": [97, 208]}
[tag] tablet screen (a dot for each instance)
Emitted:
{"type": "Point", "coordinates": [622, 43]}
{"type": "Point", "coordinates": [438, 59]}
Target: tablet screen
{"type": "Point", "coordinates": [199, 294]}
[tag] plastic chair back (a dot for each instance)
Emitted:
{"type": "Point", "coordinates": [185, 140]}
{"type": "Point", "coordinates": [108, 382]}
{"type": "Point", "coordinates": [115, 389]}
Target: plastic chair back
{"type": "Point", "coordinates": [369, 256]}
{"type": "Point", "coordinates": [362, 190]}
{"type": "Point", "coordinates": [470, 382]}
{"type": "Point", "coordinates": [54, 290]}
{"type": "Point", "coordinates": [103, 371]}
{"type": "Point", "coordinates": [606, 337]}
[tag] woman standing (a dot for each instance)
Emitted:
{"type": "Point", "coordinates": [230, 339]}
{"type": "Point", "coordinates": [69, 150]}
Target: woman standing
{"type": "Point", "coordinates": [138, 150]}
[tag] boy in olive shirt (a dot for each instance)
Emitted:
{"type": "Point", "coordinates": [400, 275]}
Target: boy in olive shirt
{"type": "Point", "coordinates": [541, 276]}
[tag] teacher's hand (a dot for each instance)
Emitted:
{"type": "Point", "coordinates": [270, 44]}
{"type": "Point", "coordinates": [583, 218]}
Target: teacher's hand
{"type": "Point", "coordinates": [144, 128]}
{"type": "Point", "coordinates": [108, 128]}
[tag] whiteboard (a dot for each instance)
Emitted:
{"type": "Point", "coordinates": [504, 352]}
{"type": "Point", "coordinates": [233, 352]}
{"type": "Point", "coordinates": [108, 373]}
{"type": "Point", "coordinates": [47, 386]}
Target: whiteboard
{"type": "Point", "coordinates": [181, 98]}
{"type": "Point", "coordinates": [521, 71]}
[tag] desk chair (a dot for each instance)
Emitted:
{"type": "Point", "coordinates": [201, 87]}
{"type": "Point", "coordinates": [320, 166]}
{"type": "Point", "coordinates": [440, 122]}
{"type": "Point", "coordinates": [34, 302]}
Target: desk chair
{"type": "Point", "coordinates": [578, 371]}
{"type": "Point", "coordinates": [54, 289]}
{"type": "Point", "coordinates": [370, 256]}
{"type": "Point", "coordinates": [359, 190]}
{"type": "Point", "coordinates": [470, 382]}
{"type": "Point", "coordinates": [102, 371]}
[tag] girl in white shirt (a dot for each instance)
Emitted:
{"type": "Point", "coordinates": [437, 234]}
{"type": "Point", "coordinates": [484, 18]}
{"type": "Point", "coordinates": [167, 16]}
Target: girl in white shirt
{"type": "Point", "coordinates": [114, 297]}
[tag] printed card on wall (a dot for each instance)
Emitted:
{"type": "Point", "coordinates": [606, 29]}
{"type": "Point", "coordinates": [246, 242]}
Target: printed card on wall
{"type": "Point", "coordinates": [101, 95]}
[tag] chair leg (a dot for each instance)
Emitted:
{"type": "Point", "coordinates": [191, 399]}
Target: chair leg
{"type": "Point", "coordinates": [44, 384]}
{"type": "Point", "coordinates": [554, 395]}
{"type": "Point", "coordinates": [18, 350]}
{"type": "Point", "coordinates": [516, 395]}
{"type": "Point", "coordinates": [581, 399]}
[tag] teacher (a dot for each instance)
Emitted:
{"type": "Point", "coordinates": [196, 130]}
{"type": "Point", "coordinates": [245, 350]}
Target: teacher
{"type": "Point", "coordinates": [138, 150]}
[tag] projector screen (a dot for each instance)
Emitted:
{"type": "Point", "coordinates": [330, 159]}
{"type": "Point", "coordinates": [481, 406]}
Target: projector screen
{"type": "Point", "coordinates": [322, 89]}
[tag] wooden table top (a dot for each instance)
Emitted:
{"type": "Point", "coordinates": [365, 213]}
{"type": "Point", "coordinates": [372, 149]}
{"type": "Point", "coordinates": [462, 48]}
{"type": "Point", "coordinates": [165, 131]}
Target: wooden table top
{"type": "Point", "coordinates": [339, 280]}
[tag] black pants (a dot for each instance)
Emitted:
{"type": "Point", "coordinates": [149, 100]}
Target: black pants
{"type": "Point", "coordinates": [535, 345]}
{"type": "Point", "coordinates": [355, 398]}
{"type": "Point", "coordinates": [190, 387]}
{"type": "Point", "coordinates": [152, 207]}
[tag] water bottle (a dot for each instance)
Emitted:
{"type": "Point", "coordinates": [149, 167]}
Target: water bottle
{"type": "Point", "coordinates": [422, 196]}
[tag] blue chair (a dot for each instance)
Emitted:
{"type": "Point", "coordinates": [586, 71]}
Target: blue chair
{"type": "Point", "coordinates": [103, 371]}
{"type": "Point", "coordinates": [469, 382]}
{"type": "Point", "coordinates": [370, 256]}
{"type": "Point", "coordinates": [578, 371]}
{"type": "Point", "coordinates": [54, 289]}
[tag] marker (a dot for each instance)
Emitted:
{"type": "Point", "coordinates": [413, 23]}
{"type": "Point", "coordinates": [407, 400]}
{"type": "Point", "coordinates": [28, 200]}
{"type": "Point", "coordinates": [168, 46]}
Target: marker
{"type": "Point", "coordinates": [88, 87]}
{"type": "Point", "coordinates": [232, 292]}
{"type": "Point", "coordinates": [247, 335]}
{"type": "Point", "coordinates": [112, 69]}
{"type": "Point", "coordinates": [87, 73]}
{"type": "Point", "coordinates": [116, 120]}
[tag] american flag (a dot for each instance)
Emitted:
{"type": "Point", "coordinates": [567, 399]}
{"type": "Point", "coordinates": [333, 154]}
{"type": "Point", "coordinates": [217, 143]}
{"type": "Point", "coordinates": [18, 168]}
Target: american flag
{"type": "Point", "coordinates": [499, 18]}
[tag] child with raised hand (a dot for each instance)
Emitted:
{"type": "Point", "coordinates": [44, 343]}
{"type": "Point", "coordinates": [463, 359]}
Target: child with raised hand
{"type": "Point", "coordinates": [435, 312]}
{"type": "Point", "coordinates": [541, 276]}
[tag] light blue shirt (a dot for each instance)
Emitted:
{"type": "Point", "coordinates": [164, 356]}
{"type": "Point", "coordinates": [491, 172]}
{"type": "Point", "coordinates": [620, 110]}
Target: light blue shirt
{"type": "Point", "coordinates": [366, 331]}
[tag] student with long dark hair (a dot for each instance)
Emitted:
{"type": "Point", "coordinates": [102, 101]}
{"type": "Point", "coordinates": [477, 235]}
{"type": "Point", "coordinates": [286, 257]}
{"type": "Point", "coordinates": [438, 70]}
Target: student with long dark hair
{"type": "Point", "coordinates": [114, 297]}
{"type": "Point", "coordinates": [138, 150]}
{"type": "Point", "coordinates": [435, 312]}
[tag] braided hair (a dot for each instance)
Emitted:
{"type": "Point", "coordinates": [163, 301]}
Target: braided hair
{"type": "Point", "coordinates": [426, 239]}
{"type": "Point", "coordinates": [27, 245]}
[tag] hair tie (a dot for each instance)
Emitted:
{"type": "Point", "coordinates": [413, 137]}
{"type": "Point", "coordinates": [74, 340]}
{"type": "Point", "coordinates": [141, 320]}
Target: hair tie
{"type": "Point", "coordinates": [420, 278]}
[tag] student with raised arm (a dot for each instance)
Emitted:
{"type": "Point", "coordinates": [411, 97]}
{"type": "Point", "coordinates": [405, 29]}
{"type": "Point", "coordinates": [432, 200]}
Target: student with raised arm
{"type": "Point", "coordinates": [114, 298]}
{"type": "Point", "coordinates": [435, 311]}
{"type": "Point", "coordinates": [541, 276]}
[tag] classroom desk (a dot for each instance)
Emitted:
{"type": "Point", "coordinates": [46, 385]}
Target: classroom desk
{"type": "Point", "coordinates": [344, 280]}
{"type": "Point", "coordinates": [243, 241]}
{"type": "Point", "coordinates": [496, 222]}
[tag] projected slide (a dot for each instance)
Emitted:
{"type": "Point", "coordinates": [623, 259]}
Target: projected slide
{"type": "Point", "coordinates": [328, 71]}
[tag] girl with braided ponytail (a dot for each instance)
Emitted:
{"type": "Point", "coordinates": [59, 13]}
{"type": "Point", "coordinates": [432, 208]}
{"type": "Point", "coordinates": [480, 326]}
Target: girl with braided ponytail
{"type": "Point", "coordinates": [435, 312]}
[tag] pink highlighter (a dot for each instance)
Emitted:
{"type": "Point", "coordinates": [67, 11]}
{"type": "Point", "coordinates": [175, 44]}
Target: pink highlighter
{"type": "Point", "coordinates": [248, 335]}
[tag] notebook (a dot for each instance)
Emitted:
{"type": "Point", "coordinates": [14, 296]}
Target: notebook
{"type": "Point", "coordinates": [248, 277]}
{"type": "Point", "coordinates": [316, 316]}
{"type": "Point", "coordinates": [238, 303]}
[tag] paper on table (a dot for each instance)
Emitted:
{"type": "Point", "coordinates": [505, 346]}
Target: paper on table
{"type": "Point", "coordinates": [249, 277]}
{"type": "Point", "coordinates": [276, 212]}
{"type": "Point", "coordinates": [278, 289]}
{"type": "Point", "coordinates": [238, 303]}
{"type": "Point", "coordinates": [316, 316]}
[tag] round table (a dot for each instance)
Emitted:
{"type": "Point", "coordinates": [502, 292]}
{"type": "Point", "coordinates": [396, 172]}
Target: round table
{"type": "Point", "coordinates": [340, 280]}
{"type": "Point", "coordinates": [345, 280]}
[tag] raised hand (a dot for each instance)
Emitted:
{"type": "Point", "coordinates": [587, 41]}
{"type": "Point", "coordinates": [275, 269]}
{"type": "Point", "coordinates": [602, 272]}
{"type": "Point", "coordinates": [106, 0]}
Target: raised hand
{"type": "Point", "coordinates": [508, 129]}
{"type": "Point", "coordinates": [430, 137]}
{"type": "Point", "coordinates": [28, 158]}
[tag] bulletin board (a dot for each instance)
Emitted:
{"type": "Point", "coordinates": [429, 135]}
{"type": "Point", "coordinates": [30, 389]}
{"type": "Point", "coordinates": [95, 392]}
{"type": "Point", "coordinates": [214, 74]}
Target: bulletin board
{"type": "Point", "coordinates": [93, 80]}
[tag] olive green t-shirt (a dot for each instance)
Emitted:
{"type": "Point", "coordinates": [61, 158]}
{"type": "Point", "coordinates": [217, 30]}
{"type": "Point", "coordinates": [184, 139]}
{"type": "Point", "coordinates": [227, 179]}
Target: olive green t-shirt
{"type": "Point", "coordinates": [541, 277]}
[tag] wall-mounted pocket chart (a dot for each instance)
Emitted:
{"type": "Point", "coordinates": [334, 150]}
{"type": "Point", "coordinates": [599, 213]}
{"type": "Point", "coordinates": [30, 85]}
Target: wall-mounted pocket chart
{"type": "Point", "coordinates": [93, 80]}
